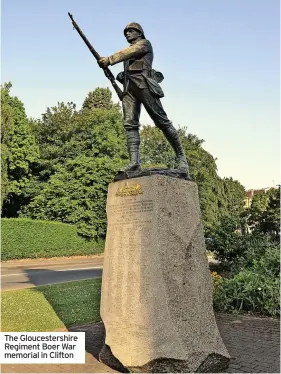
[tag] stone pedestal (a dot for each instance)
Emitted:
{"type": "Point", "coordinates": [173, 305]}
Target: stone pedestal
{"type": "Point", "coordinates": [156, 301]}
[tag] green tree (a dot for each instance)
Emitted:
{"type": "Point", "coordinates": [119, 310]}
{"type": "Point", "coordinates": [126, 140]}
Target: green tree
{"type": "Point", "coordinates": [81, 152]}
{"type": "Point", "coordinates": [7, 125]}
{"type": "Point", "coordinates": [155, 149]}
{"type": "Point", "coordinates": [259, 204]}
{"type": "Point", "coordinates": [64, 133]}
{"type": "Point", "coordinates": [76, 194]}
{"type": "Point", "coordinates": [99, 98]}
{"type": "Point", "coordinates": [271, 217]}
{"type": "Point", "coordinates": [264, 213]}
{"type": "Point", "coordinates": [235, 248]}
{"type": "Point", "coordinates": [54, 131]}
{"type": "Point", "coordinates": [234, 194]}
{"type": "Point", "coordinates": [19, 151]}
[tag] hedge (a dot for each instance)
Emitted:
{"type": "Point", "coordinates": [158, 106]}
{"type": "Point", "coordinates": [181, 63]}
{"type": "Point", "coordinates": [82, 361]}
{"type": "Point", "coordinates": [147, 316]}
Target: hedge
{"type": "Point", "coordinates": [27, 238]}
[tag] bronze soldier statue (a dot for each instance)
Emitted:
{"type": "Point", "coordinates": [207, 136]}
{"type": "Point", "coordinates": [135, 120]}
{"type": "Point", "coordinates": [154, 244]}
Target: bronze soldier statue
{"type": "Point", "coordinates": [141, 86]}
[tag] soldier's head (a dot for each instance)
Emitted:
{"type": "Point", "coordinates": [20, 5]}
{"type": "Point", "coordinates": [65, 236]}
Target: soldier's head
{"type": "Point", "coordinates": [133, 31]}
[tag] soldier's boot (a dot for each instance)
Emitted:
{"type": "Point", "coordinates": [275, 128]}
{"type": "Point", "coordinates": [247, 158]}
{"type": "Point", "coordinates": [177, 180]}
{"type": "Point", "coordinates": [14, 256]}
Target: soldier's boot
{"type": "Point", "coordinates": [174, 140]}
{"type": "Point", "coordinates": [133, 142]}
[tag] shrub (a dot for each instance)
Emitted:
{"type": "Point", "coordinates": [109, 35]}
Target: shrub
{"type": "Point", "coordinates": [234, 249]}
{"type": "Point", "coordinates": [26, 238]}
{"type": "Point", "coordinates": [254, 289]}
{"type": "Point", "coordinates": [225, 242]}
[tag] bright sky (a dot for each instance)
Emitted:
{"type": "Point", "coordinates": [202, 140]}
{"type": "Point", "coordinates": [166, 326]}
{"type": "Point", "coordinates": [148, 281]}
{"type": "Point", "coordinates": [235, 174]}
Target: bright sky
{"type": "Point", "coordinates": [220, 59]}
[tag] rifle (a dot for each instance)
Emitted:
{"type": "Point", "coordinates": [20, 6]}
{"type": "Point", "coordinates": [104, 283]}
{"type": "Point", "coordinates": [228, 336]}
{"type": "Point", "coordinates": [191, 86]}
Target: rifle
{"type": "Point", "coordinates": [107, 72]}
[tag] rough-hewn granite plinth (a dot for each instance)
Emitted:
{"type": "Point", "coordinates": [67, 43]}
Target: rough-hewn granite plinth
{"type": "Point", "coordinates": [156, 301]}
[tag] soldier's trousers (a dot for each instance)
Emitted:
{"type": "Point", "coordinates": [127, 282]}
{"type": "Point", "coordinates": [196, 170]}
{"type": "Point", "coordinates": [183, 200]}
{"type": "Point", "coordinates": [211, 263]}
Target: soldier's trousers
{"type": "Point", "coordinates": [131, 104]}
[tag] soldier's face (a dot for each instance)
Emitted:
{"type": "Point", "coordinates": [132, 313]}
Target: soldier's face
{"type": "Point", "coordinates": [132, 35]}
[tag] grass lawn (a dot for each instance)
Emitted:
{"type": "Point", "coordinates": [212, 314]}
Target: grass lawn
{"type": "Point", "coordinates": [47, 308]}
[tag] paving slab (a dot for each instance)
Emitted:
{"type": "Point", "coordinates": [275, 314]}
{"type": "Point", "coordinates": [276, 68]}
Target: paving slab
{"type": "Point", "coordinates": [253, 343]}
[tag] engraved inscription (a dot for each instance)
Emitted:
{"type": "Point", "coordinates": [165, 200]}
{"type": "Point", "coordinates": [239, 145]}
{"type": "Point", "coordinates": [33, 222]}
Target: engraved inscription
{"type": "Point", "coordinates": [129, 233]}
{"type": "Point", "coordinates": [130, 212]}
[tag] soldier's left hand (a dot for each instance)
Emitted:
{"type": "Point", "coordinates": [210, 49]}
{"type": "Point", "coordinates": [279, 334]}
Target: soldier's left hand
{"type": "Point", "coordinates": [104, 62]}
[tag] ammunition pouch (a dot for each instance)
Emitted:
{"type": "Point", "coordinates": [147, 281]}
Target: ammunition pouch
{"type": "Point", "coordinates": [121, 77]}
{"type": "Point", "coordinates": [156, 75]}
{"type": "Point", "coordinates": [154, 87]}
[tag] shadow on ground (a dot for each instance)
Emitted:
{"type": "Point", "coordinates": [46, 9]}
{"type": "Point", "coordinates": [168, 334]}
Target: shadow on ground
{"type": "Point", "coordinates": [40, 277]}
{"type": "Point", "coordinates": [73, 302]}
{"type": "Point", "coordinates": [94, 337]}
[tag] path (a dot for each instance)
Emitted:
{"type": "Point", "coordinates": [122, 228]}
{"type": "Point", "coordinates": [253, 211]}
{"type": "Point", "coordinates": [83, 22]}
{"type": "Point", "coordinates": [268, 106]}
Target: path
{"type": "Point", "coordinates": [20, 274]}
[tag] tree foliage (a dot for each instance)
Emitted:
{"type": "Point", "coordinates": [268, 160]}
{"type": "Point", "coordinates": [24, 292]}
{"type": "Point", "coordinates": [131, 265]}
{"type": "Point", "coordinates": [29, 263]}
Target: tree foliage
{"type": "Point", "coordinates": [264, 213]}
{"type": "Point", "coordinates": [99, 98]}
{"type": "Point", "coordinates": [81, 152]}
{"type": "Point", "coordinates": [234, 247]}
{"type": "Point", "coordinates": [234, 194]}
{"type": "Point", "coordinates": [76, 194]}
{"type": "Point", "coordinates": [19, 150]}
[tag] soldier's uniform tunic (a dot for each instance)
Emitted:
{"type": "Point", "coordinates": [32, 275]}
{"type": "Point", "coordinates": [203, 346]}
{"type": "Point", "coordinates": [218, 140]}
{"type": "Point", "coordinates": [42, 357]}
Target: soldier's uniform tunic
{"type": "Point", "coordinates": [139, 85]}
